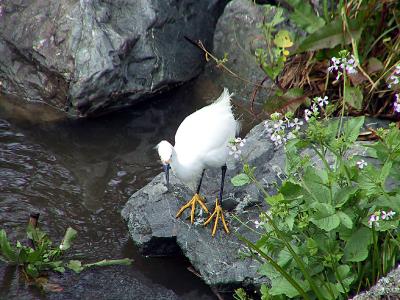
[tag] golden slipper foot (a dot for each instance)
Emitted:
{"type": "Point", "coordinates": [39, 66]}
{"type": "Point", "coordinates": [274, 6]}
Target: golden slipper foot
{"type": "Point", "coordinates": [217, 214]}
{"type": "Point", "coordinates": [197, 199]}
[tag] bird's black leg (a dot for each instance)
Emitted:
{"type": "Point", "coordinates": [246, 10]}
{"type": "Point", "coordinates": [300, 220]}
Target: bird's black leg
{"type": "Point", "coordinates": [201, 179]}
{"type": "Point", "coordinates": [218, 213]}
{"type": "Point", "coordinates": [221, 190]}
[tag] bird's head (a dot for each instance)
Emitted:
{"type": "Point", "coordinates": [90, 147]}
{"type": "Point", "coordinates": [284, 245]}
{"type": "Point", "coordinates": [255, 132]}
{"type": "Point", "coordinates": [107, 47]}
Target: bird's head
{"type": "Point", "coordinates": [165, 150]}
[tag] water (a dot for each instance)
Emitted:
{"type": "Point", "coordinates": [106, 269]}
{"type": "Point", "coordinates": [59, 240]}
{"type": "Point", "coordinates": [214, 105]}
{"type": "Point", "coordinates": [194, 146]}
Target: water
{"type": "Point", "coordinates": [81, 173]}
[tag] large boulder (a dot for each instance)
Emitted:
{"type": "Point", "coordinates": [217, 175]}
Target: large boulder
{"type": "Point", "coordinates": [238, 35]}
{"type": "Point", "coordinates": [90, 56]}
{"type": "Point", "coordinates": [150, 214]}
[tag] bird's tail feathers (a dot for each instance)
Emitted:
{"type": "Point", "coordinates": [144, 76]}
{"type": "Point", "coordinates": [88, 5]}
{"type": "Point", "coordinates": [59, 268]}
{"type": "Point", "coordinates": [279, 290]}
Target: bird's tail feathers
{"type": "Point", "coordinates": [225, 97]}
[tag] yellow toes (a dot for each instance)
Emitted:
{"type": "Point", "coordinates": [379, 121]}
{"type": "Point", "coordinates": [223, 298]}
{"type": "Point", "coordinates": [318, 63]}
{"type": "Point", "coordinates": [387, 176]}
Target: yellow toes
{"type": "Point", "coordinates": [217, 214]}
{"type": "Point", "coordinates": [197, 199]}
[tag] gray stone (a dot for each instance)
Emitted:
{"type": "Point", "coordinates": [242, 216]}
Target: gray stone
{"type": "Point", "coordinates": [387, 287]}
{"type": "Point", "coordinates": [151, 211]}
{"type": "Point", "coordinates": [88, 57]}
{"type": "Point", "coordinates": [237, 34]}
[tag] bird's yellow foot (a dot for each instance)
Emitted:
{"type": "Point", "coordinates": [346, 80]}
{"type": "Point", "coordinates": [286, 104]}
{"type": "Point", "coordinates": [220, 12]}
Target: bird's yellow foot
{"type": "Point", "coordinates": [218, 213]}
{"type": "Point", "coordinates": [192, 203]}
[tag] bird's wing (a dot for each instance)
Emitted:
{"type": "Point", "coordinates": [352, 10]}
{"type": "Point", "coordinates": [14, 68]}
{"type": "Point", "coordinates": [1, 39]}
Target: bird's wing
{"type": "Point", "coordinates": [205, 130]}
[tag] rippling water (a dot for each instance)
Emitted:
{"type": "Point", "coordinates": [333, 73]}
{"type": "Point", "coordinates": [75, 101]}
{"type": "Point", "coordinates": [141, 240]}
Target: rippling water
{"type": "Point", "coordinates": [81, 173]}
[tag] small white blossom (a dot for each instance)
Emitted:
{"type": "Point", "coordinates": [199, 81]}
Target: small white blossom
{"type": "Point", "coordinates": [394, 79]}
{"type": "Point", "coordinates": [314, 108]}
{"type": "Point", "coordinates": [258, 224]}
{"type": "Point", "coordinates": [374, 218]}
{"type": "Point", "coordinates": [396, 103]}
{"type": "Point", "coordinates": [240, 141]}
{"type": "Point", "coordinates": [361, 164]}
{"type": "Point", "coordinates": [296, 124]}
{"type": "Point", "coordinates": [235, 146]}
{"type": "Point", "coordinates": [388, 215]}
{"type": "Point", "coordinates": [307, 114]}
{"type": "Point", "coordinates": [342, 64]}
{"type": "Point", "coordinates": [322, 101]}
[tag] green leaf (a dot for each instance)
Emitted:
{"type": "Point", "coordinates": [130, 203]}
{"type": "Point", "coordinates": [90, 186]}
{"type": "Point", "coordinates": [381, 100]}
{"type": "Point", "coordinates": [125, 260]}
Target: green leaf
{"type": "Point", "coordinates": [110, 262]}
{"type": "Point", "coordinates": [280, 286]}
{"type": "Point", "coordinates": [304, 16]}
{"type": "Point", "coordinates": [69, 236]}
{"type": "Point", "coordinates": [343, 194]}
{"type": "Point", "coordinates": [351, 128]}
{"type": "Point", "coordinates": [75, 265]}
{"type": "Point", "coordinates": [353, 96]}
{"type": "Point", "coordinates": [330, 36]}
{"type": "Point", "coordinates": [345, 219]}
{"type": "Point", "coordinates": [6, 250]}
{"type": "Point", "coordinates": [32, 271]}
{"type": "Point", "coordinates": [385, 171]}
{"type": "Point", "coordinates": [326, 223]}
{"type": "Point", "coordinates": [275, 199]}
{"type": "Point", "coordinates": [356, 248]}
{"type": "Point", "coordinates": [282, 39]}
{"type": "Point", "coordinates": [315, 181]}
{"type": "Point", "coordinates": [240, 180]}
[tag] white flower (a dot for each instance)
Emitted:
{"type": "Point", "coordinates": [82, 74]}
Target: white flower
{"type": "Point", "coordinates": [343, 64]}
{"type": "Point", "coordinates": [296, 124]}
{"type": "Point", "coordinates": [374, 218]}
{"type": "Point", "coordinates": [277, 139]}
{"type": "Point", "coordinates": [396, 104]}
{"type": "Point", "coordinates": [258, 224]}
{"type": "Point", "coordinates": [307, 114]}
{"type": "Point", "coordinates": [235, 146]}
{"type": "Point", "coordinates": [394, 79]}
{"type": "Point", "coordinates": [240, 141]}
{"type": "Point", "coordinates": [361, 164]}
{"type": "Point", "coordinates": [314, 108]}
{"type": "Point", "coordinates": [388, 215]}
{"type": "Point", "coordinates": [322, 101]}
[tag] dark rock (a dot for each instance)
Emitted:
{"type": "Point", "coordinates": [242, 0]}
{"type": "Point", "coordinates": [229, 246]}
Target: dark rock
{"type": "Point", "coordinates": [113, 282]}
{"type": "Point", "coordinates": [150, 214]}
{"type": "Point", "coordinates": [388, 287]}
{"type": "Point", "coordinates": [237, 34]}
{"type": "Point", "coordinates": [89, 57]}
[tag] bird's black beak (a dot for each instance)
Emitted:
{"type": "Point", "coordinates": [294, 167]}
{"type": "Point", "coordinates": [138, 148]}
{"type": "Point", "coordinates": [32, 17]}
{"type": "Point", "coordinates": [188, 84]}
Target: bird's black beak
{"type": "Point", "coordinates": [166, 171]}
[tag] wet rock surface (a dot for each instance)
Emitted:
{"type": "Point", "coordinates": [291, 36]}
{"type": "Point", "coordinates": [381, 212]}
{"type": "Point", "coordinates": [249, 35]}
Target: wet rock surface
{"type": "Point", "coordinates": [99, 283]}
{"type": "Point", "coordinates": [387, 287]}
{"type": "Point", "coordinates": [90, 57]}
{"type": "Point", "coordinates": [238, 35]}
{"type": "Point", "coordinates": [151, 211]}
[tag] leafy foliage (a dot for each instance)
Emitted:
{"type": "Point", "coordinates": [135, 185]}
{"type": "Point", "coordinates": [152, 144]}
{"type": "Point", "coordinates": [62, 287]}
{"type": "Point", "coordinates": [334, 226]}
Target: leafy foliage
{"type": "Point", "coordinates": [332, 228]}
{"type": "Point", "coordinates": [43, 256]}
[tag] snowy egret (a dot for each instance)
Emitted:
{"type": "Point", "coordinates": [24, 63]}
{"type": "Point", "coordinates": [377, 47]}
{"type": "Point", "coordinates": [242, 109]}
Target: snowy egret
{"type": "Point", "coordinates": [201, 142]}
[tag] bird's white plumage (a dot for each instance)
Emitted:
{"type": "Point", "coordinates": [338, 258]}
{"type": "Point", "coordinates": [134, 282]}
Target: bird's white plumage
{"type": "Point", "coordinates": [202, 140]}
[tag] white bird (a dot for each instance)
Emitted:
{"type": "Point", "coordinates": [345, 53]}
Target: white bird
{"type": "Point", "coordinates": [201, 142]}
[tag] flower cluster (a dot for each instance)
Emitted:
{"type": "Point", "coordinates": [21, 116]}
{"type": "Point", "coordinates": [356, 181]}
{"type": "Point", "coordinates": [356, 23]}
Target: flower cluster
{"type": "Point", "coordinates": [235, 146]}
{"type": "Point", "coordinates": [282, 128]}
{"type": "Point", "coordinates": [380, 215]}
{"type": "Point", "coordinates": [396, 103]}
{"type": "Point", "coordinates": [394, 79]}
{"type": "Point", "coordinates": [317, 103]}
{"type": "Point", "coordinates": [342, 64]}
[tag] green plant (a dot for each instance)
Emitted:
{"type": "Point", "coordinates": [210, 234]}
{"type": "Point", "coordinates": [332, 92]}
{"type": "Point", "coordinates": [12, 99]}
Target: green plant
{"type": "Point", "coordinates": [332, 228]}
{"type": "Point", "coordinates": [42, 256]}
{"type": "Point", "coordinates": [272, 57]}
{"type": "Point", "coordinates": [369, 30]}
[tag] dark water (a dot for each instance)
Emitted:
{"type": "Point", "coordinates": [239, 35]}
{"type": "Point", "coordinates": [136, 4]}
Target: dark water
{"type": "Point", "coordinates": [81, 173]}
